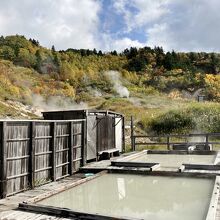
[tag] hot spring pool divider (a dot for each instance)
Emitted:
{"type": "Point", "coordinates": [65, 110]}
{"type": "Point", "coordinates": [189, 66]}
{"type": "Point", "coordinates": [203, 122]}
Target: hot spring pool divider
{"type": "Point", "coordinates": [132, 161]}
{"type": "Point", "coordinates": [211, 215]}
{"type": "Point", "coordinates": [68, 213]}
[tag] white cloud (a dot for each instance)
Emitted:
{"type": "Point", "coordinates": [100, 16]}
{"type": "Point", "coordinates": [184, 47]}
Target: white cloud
{"type": "Point", "coordinates": [63, 23]}
{"type": "Point", "coordinates": [184, 25]}
{"type": "Point", "coordinates": [155, 38]}
{"type": "Point", "coordinates": [119, 45]}
{"type": "Point", "coordinates": [150, 11]}
{"type": "Point", "coordinates": [147, 11]}
{"type": "Point", "coordinates": [174, 24]}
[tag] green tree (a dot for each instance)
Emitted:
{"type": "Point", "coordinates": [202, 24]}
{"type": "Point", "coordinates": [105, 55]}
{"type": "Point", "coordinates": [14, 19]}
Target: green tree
{"type": "Point", "coordinates": [53, 49]}
{"type": "Point", "coordinates": [7, 53]}
{"type": "Point", "coordinates": [25, 58]}
{"type": "Point", "coordinates": [39, 60]}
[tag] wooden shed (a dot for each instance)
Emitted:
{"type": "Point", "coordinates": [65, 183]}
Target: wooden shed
{"type": "Point", "coordinates": [104, 129]}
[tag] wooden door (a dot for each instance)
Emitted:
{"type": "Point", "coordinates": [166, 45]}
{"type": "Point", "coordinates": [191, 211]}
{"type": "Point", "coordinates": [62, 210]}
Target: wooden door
{"type": "Point", "coordinates": [105, 133]}
{"type": "Point", "coordinates": [91, 137]}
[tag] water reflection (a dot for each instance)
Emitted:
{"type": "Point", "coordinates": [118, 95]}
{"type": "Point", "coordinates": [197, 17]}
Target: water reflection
{"type": "Point", "coordinates": [121, 188]}
{"type": "Point", "coordinates": [144, 197]}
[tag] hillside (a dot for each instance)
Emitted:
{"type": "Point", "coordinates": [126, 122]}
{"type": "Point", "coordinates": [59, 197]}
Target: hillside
{"type": "Point", "coordinates": [160, 89]}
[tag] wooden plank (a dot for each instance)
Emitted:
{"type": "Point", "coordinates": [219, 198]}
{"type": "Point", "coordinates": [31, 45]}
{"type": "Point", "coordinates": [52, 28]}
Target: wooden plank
{"type": "Point", "coordinates": [159, 172]}
{"type": "Point", "coordinates": [131, 164]}
{"type": "Point", "coordinates": [105, 133]}
{"type": "Point", "coordinates": [43, 169]}
{"type": "Point", "coordinates": [123, 134]}
{"type": "Point", "coordinates": [172, 143]}
{"type": "Point", "coordinates": [53, 149]}
{"type": "Point", "coordinates": [62, 129]}
{"type": "Point", "coordinates": [155, 167]}
{"type": "Point", "coordinates": [110, 132]}
{"type": "Point", "coordinates": [67, 212]}
{"type": "Point", "coordinates": [31, 166]}
{"type": "Point", "coordinates": [101, 133]}
{"type": "Point", "coordinates": [24, 215]}
{"type": "Point", "coordinates": [62, 150]}
{"type": "Point", "coordinates": [214, 201]}
{"type": "Point", "coordinates": [132, 156]}
{"type": "Point", "coordinates": [168, 143]}
{"type": "Point", "coordinates": [18, 139]}
{"type": "Point", "coordinates": [16, 176]}
{"type": "Point", "coordinates": [91, 149]}
{"type": "Point", "coordinates": [3, 160]}
{"type": "Point", "coordinates": [70, 155]}
{"type": "Point", "coordinates": [197, 152]}
{"type": "Point", "coordinates": [18, 158]}
{"type": "Point", "coordinates": [132, 135]}
{"type": "Point", "coordinates": [83, 142]}
{"type": "Point", "coordinates": [108, 151]}
{"type": "Point", "coordinates": [201, 167]}
{"type": "Point", "coordinates": [43, 152]}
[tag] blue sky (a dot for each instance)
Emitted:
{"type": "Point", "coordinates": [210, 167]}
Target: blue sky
{"type": "Point", "coordinates": [114, 23]}
{"type": "Point", "coordinates": [182, 25]}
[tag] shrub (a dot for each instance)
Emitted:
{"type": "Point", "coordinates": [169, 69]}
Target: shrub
{"type": "Point", "coordinates": [172, 122]}
{"type": "Point", "coordinates": [198, 117]}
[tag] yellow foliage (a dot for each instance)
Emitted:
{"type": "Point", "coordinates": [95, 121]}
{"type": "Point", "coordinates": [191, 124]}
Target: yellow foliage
{"type": "Point", "coordinates": [213, 85]}
{"type": "Point", "coordinates": [175, 94]}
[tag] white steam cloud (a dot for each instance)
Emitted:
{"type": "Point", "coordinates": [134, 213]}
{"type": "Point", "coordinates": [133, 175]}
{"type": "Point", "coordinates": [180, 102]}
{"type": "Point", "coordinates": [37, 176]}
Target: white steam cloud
{"type": "Point", "coordinates": [55, 103]}
{"type": "Point", "coordinates": [115, 78]}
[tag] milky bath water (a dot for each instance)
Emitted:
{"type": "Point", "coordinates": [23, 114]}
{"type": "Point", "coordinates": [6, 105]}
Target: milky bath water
{"type": "Point", "coordinates": [136, 196]}
{"type": "Point", "coordinates": [175, 160]}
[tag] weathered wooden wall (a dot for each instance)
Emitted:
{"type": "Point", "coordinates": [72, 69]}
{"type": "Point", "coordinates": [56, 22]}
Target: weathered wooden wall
{"type": "Point", "coordinates": [105, 129]}
{"type": "Point", "coordinates": [35, 152]}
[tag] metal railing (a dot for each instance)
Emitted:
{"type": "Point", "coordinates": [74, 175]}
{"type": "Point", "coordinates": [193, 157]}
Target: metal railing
{"type": "Point", "coordinates": [166, 140]}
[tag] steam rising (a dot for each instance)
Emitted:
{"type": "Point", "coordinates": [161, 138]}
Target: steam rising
{"type": "Point", "coordinates": [135, 101]}
{"type": "Point", "coordinates": [197, 139]}
{"type": "Point", "coordinates": [115, 78]}
{"type": "Point", "coordinates": [48, 66]}
{"type": "Point", "coordinates": [55, 103]}
{"type": "Point", "coordinates": [94, 92]}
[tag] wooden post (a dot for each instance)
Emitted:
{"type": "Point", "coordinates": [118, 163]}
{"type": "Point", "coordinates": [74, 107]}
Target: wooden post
{"type": "Point", "coordinates": [207, 142]}
{"type": "Point", "coordinates": [123, 134]}
{"type": "Point", "coordinates": [85, 137]}
{"type": "Point", "coordinates": [83, 143]}
{"type": "Point", "coordinates": [70, 155]}
{"type": "Point", "coordinates": [31, 167]}
{"type": "Point", "coordinates": [97, 137]}
{"type": "Point", "coordinates": [53, 148]}
{"type": "Point", "coordinates": [132, 135]}
{"type": "Point", "coordinates": [168, 142]}
{"type": "Point", "coordinates": [3, 161]}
